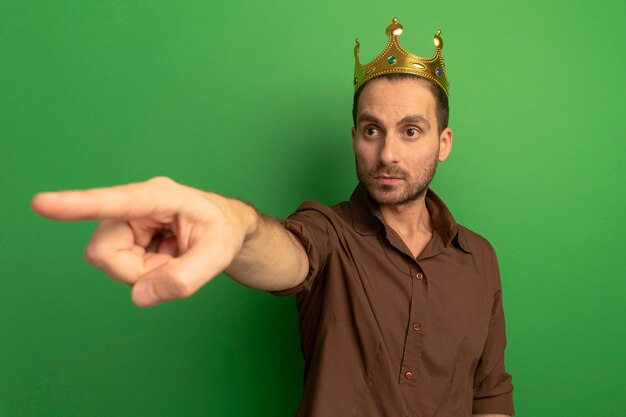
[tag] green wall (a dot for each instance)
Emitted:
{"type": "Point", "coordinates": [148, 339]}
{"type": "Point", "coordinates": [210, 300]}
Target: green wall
{"type": "Point", "coordinates": [253, 99]}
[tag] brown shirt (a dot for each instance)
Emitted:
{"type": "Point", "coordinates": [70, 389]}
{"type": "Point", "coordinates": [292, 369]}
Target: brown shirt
{"type": "Point", "coordinates": [387, 334]}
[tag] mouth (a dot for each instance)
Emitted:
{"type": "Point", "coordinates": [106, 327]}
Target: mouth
{"type": "Point", "coordinates": [387, 179]}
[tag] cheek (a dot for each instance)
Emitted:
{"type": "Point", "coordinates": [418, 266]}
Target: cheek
{"type": "Point", "coordinates": [359, 160]}
{"type": "Point", "coordinates": [358, 149]}
{"type": "Point", "coordinates": [425, 161]}
{"type": "Point", "coordinates": [365, 157]}
{"type": "Point", "coordinates": [365, 149]}
{"type": "Point", "coordinates": [427, 152]}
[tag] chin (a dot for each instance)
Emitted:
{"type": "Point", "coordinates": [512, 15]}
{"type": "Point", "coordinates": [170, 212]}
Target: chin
{"type": "Point", "coordinates": [391, 195]}
{"type": "Point", "coordinates": [386, 194]}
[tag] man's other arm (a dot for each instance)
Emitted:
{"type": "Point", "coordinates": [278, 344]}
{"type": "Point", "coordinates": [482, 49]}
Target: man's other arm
{"type": "Point", "coordinates": [493, 388]}
{"type": "Point", "coordinates": [167, 240]}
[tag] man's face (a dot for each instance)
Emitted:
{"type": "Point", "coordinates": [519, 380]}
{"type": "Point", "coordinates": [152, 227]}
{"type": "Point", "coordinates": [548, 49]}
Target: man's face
{"type": "Point", "coordinates": [395, 141]}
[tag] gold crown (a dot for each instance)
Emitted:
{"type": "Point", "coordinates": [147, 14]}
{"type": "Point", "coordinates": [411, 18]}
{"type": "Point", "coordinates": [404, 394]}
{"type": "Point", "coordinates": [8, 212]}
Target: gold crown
{"type": "Point", "coordinates": [394, 58]}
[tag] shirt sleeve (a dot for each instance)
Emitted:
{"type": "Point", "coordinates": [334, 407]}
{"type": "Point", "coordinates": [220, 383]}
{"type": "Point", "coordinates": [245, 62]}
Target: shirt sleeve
{"type": "Point", "coordinates": [493, 389]}
{"type": "Point", "coordinates": [311, 224]}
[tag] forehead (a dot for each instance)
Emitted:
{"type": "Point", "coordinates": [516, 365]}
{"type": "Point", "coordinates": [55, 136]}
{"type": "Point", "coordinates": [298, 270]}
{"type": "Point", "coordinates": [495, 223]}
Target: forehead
{"type": "Point", "coordinates": [393, 99]}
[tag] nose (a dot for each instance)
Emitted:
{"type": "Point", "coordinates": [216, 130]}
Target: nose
{"type": "Point", "coordinates": [389, 150]}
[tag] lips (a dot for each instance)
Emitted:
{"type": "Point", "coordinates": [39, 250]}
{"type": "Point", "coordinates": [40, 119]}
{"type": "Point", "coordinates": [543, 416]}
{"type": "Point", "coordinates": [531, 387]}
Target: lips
{"type": "Point", "coordinates": [387, 175]}
{"type": "Point", "coordinates": [387, 180]}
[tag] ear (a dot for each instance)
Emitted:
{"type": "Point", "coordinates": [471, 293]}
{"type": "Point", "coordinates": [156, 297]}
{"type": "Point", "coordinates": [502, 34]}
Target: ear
{"type": "Point", "coordinates": [445, 144]}
{"type": "Point", "coordinates": [353, 131]}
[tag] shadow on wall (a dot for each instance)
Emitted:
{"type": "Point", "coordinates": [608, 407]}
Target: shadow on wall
{"type": "Point", "coordinates": [304, 159]}
{"type": "Point", "coordinates": [313, 157]}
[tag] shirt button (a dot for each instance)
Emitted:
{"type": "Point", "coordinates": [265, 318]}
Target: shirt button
{"type": "Point", "coordinates": [419, 275]}
{"type": "Point", "coordinates": [408, 374]}
{"type": "Point", "coordinates": [417, 327]}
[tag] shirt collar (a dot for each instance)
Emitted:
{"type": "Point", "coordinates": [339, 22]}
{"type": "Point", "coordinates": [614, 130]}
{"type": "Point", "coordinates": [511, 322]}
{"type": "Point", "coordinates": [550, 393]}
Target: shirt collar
{"type": "Point", "coordinates": [367, 220]}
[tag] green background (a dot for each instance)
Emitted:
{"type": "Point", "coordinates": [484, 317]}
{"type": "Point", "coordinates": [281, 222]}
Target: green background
{"type": "Point", "coordinates": [253, 99]}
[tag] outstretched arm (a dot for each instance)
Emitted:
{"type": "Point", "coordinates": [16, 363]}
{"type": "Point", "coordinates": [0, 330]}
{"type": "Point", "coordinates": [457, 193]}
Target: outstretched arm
{"type": "Point", "coordinates": [167, 240]}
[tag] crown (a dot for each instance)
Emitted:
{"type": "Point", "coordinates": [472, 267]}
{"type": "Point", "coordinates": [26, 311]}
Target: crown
{"type": "Point", "coordinates": [394, 58]}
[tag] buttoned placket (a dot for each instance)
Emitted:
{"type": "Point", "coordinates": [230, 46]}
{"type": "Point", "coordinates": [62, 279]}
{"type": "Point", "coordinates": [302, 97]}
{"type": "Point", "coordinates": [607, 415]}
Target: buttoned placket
{"type": "Point", "coordinates": [418, 310]}
{"type": "Point", "coordinates": [411, 369]}
{"type": "Point", "coordinates": [411, 360]}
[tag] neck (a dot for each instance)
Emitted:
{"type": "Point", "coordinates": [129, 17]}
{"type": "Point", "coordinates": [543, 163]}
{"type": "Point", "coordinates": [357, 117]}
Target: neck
{"type": "Point", "coordinates": [411, 220]}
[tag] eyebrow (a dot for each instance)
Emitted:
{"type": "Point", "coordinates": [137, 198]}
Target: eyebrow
{"type": "Point", "coordinates": [412, 118]}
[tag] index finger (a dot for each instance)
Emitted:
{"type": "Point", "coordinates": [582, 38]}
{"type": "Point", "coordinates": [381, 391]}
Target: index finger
{"type": "Point", "coordinates": [123, 202]}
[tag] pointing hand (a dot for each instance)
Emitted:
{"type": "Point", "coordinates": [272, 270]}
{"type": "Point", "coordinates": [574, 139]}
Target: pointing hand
{"type": "Point", "coordinates": [164, 239]}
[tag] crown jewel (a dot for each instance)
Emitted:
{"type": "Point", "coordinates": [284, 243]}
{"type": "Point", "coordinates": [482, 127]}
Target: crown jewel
{"type": "Point", "coordinates": [394, 58]}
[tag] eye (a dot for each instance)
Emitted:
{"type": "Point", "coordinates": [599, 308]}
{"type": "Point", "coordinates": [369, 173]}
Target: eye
{"type": "Point", "coordinates": [412, 132]}
{"type": "Point", "coordinates": [371, 131]}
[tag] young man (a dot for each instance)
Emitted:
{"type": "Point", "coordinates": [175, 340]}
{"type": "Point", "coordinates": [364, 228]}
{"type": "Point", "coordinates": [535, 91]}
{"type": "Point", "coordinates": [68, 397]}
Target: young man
{"type": "Point", "coordinates": [400, 307]}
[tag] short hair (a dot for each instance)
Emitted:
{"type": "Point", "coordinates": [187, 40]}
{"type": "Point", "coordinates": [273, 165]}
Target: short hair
{"type": "Point", "coordinates": [442, 110]}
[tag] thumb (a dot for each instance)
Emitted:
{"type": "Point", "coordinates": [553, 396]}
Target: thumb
{"type": "Point", "coordinates": [143, 294]}
{"type": "Point", "coordinates": [181, 277]}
